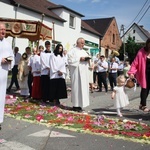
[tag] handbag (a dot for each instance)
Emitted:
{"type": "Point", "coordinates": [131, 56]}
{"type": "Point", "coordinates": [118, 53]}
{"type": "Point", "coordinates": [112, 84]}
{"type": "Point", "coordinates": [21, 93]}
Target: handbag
{"type": "Point", "coordinates": [130, 83]}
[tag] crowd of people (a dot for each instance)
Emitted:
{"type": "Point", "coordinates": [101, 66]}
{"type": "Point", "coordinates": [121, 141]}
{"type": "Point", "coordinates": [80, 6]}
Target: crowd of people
{"type": "Point", "coordinates": [106, 71]}
{"type": "Point", "coordinates": [41, 73]}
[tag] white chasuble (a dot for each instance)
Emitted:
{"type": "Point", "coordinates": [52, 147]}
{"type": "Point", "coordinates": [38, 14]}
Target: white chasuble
{"type": "Point", "coordinates": [5, 51]}
{"type": "Point", "coordinates": [79, 78]}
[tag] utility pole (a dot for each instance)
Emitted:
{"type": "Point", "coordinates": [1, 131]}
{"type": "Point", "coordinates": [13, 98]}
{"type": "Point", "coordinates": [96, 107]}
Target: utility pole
{"type": "Point", "coordinates": [124, 51]}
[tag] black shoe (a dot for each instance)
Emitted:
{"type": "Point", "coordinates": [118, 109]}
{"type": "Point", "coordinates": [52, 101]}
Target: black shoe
{"type": "Point", "coordinates": [8, 90]}
{"type": "Point", "coordinates": [56, 102]}
{"type": "Point", "coordinates": [78, 109]}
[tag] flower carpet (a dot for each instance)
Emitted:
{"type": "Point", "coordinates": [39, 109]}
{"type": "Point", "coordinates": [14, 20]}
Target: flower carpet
{"type": "Point", "coordinates": [80, 122]}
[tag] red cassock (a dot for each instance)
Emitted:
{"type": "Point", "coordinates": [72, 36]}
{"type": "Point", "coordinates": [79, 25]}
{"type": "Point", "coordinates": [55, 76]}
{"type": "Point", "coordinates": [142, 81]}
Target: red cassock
{"type": "Point", "coordinates": [36, 87]}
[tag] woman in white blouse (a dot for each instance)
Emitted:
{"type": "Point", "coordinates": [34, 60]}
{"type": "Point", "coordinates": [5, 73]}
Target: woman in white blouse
{"type": "Point", "coordinates": [57, 75]}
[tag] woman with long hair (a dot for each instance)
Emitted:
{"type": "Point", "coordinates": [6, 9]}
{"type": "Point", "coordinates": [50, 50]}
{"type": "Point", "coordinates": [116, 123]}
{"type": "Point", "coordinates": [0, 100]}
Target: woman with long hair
{"type": "Point", "coordinates": [57, 75]}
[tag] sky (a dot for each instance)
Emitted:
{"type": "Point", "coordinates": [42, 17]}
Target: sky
{"type": "Point", "coordinates": [126, 12]}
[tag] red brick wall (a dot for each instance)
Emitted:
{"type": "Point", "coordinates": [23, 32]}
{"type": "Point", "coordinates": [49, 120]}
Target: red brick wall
{"type": "Point", "coordinates": [107, 41]}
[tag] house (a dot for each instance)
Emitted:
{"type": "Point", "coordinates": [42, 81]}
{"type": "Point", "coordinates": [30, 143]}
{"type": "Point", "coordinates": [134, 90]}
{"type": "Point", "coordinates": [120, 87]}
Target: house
{"type": "Point", "coordinates": [108, 28]}
{"type": "Point", "coordinates": [138, 33]}
{"type": "Point", "coordinates": [66, 23]}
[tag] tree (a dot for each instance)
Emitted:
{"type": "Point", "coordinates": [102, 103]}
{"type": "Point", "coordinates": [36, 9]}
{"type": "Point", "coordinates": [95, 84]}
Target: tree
{"type": "Point", "coordinates": [131, 49]}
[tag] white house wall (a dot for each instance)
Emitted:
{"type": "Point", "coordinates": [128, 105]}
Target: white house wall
{"type": "Point", "coordinates": [62, 32]}
{"type": "Point", "coordinates": [89, 37]}
{"type": "Point", "coordinates": [65, 34]}
{"type": "Point", "coordinates": [139, 36]}
{"type": "Point", "coordinates": [7, 11]}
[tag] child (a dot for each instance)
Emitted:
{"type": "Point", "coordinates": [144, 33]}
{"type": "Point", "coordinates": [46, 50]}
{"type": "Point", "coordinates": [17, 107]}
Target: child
{"type": "Point", "coordinates": [120, 94]}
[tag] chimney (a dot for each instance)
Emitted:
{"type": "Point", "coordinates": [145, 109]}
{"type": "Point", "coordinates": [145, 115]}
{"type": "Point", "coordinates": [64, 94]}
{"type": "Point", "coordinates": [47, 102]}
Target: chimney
{"type": "Point", "coordinates": [141, 26]}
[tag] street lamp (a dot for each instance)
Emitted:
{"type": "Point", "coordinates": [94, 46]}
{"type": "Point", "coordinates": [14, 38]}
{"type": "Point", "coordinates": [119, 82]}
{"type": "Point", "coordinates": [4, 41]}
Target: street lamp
{"type": "Point", "coordinates": [124, 51]}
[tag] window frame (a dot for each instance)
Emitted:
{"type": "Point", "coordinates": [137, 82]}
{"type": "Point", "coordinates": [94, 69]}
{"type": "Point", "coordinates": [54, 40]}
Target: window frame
{"type": "Point", "coordinates": [72, 21]}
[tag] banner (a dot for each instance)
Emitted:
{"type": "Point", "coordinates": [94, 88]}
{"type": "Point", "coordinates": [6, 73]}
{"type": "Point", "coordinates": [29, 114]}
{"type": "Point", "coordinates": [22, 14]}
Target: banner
{"type": "Point", "coordinates": [32, 30]}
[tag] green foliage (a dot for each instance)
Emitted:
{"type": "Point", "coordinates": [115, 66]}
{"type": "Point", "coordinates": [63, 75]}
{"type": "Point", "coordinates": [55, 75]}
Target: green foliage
{"type": "Point", "coordinates": [131, 49]}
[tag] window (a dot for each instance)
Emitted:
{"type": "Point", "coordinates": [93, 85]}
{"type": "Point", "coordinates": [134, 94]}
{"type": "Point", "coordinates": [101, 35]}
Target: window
{"type": "Point", "coordinates": [113, 39]}
{"type": "Point", "coordinates": [133, 31]}
{"type": "Point", "coordinates": [106, 53]}
{"type": "Point", "coordinates": [72, 21]}
{"type": "Point", "coordinates": [134, 38]}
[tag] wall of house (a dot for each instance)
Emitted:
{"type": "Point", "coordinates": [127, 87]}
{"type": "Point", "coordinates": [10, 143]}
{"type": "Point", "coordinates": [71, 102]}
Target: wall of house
{"type": "Point", "coordinates": [89, 38]}
{"type": "Point", "coordinates": [61, 31]}
{"type": "Point", "coordinates": [66, 34]}
{"type": "Point", "coordinates": [139, 36]}
{"type": "Point", "coordinates": [11, 13]}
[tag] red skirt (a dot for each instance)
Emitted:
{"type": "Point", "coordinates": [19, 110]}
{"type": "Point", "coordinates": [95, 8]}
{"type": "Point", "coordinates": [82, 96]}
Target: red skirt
{"type": "Point", "coordinates": [36, 87]}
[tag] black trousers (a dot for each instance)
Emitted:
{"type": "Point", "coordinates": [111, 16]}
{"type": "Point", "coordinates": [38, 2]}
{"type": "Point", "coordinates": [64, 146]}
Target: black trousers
{"type": "Point", "coordinates": [45, 85]}
{"type": "Point", "coordinates": [30, 80]}
{"type": "Point", "coordinates": [144, 95]}
{"type": "Point", "coordinates": [102, 78]}
{"type": "Point", "coordinates": [144, 92]}
{"type": "Point", "coordinates": [112, 80]}
{"type": "Point", "coordinates": [14, 77]}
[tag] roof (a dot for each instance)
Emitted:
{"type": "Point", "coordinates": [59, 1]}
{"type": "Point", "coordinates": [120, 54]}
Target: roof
{"type": "Point", "coordinates": [62, 6]}
{"type": "Point", "coordinates": [40, 6]}
{"type": "Point", "coordinates": [100, 25]}
{"type": "Point", "coordinates": [144, 31]}
{"type": "Point", "coordinates": [88, 28]}
{"type": "Point", "coordinates": [45, 7]}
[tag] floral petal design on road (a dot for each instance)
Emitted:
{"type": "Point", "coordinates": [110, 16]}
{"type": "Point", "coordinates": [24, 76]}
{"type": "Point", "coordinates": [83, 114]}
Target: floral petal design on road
{"type": "Point", "coordinates": [80, 122]}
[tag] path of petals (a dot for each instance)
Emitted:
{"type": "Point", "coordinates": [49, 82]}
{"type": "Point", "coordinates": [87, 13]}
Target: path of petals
{"type": "Point", "coordinates": [102, 125]}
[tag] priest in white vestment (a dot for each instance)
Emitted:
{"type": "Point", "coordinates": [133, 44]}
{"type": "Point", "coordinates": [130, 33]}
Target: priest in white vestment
{"type": "Point", "coordinates": [78, 65]}
{"type": "Point", "coordinates": [6, 63]}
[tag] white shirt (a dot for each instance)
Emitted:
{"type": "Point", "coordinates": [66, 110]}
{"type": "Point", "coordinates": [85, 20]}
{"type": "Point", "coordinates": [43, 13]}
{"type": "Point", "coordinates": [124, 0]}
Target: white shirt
{"type": "Point", "coordinates": [113, 65]}
{"type": "Point", "coordinates": [44, 59]}
{"type": "Point", "coordinates": [57, 63]}
{"type": "Point", "coordinates": [36, 65]}
{"type": "Point", "coordinates": [120, 67]}
{"type": "Point", "coordinates": [100, 64]}
{"type": "Point", "coordinates": [17, 58]}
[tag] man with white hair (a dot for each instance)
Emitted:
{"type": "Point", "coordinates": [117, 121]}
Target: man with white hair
{"type": "Point", "coordinates": [6, 63]}
{"type": "Point", "coordinates": [78, 61]}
